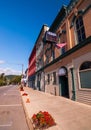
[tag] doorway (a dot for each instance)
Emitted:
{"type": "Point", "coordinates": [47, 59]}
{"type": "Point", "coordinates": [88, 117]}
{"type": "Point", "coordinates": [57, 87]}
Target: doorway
{"type": "Point", "coordinates": [63, 86]}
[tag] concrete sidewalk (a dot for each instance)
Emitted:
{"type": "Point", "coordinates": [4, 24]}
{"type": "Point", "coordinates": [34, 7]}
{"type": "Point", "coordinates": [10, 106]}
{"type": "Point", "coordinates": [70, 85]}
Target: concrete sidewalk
{"type": "Point", "coordinates": [68, 114]}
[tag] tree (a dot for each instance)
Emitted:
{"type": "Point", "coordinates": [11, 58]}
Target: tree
{"type": "Point", "coordinates": [3, 80]}
{"type": "Point", "coordinates": [15, 80]}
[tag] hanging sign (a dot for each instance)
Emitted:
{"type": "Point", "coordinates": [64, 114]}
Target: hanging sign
{"type": "Point", "coordinates": [51, 37]}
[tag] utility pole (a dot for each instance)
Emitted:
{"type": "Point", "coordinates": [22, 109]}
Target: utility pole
{"type": "Point", "coordinates": [22, 68]}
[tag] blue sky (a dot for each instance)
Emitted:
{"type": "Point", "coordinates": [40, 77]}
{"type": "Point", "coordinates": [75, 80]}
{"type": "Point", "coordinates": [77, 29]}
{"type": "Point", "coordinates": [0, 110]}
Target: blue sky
{"type": "Point", "coordinates": [20, 24]}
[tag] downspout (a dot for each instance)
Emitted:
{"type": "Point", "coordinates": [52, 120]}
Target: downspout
{"type": "Point", "coordinates": [73, 85]}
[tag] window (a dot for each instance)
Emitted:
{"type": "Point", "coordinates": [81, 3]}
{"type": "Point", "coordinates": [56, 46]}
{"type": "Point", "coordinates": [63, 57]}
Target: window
{"type": "Point", "coordinates": [54, 77]}
{"type": "Point", "coordinates": [63, 50]}
{"type": "Point", "coordinates": [80, 31]}
{"type": "Point", "coordinates": [53, 55]}
{"type": "Point", "coordinates": [48, 79]}
{"type": "Point", "coordinates": [85, 75]}
{"type": "Point", "coordinates": [47, 59]}
{"type": "Point", "coordinates": [62, 40]}
{"type": "Point", "coordinates": [85, 65]}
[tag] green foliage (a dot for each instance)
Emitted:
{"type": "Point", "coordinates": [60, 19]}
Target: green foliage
{"type": "Point", "coordinates": [9, 79]}
{"type": "Point", "coordinates": [3, 80]}
{"type": "Point", "coordinates": [15, 80]}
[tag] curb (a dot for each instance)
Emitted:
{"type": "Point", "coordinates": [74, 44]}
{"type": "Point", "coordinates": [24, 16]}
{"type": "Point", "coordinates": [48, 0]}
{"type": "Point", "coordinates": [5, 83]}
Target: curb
{"type": "Point", "coordinates": [26, 111]}
{"type": "Point", "coordinates": [27, 117]}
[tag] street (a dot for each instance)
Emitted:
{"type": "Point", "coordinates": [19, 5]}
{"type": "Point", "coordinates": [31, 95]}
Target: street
{"type": "Point", "coordinates": [12, 116]}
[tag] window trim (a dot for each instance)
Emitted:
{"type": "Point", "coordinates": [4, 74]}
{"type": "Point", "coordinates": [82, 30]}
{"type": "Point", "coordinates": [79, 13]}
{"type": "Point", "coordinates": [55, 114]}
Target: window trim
{"type": "Point", "coordinates": [79, 80]}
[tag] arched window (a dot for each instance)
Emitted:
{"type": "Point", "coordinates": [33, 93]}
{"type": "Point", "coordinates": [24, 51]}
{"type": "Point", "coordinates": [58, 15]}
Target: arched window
{"type": "Point", "coordinates": [79, 29]}
{"type": "Point", "coordinates": [85, 65]}
{"type": "Point", "coordinates": [85, 75]}
{"type": "Point", "coordinates": [78, 24]}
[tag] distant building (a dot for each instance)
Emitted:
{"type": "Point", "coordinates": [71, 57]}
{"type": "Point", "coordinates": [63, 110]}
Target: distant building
{"type": "Point", "coordinates": [26, 76]}
{"type": "Point", "coordinates": [32, 68]}
{"type": "Point", "coordinates": [40, 59]}
{"type": "Point", "coordinates": [35, 62]}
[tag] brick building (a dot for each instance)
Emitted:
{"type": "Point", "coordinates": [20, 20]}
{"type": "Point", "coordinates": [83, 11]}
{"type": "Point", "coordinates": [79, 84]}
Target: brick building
{"type": "Point", "coordinates": [39, 83]}
{"type": "Point", "coordinates": [68, 69]}
{"type": "Point", "coordinates": [67, 62]}
{"type": "Point", "coordinates": [35, 62]}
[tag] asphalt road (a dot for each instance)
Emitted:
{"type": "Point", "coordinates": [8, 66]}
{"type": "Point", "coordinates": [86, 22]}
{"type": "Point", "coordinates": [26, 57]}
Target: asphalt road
{"type": "Point", "coordinates": [12, 116]}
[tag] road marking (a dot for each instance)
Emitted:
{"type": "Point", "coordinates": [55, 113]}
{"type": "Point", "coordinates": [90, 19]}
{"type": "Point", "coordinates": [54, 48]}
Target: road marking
{"type": "Point", "coordinates": [12, 105]}
{"type": "Point", "coordinates": [11, 90]}
{"type": "Point", "coordinates": [11, 94]}
{"type": "Point", "coordinates": [5, 125]}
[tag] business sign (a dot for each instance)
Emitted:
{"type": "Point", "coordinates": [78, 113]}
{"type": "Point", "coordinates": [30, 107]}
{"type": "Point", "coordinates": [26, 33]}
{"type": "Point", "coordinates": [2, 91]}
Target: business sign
{"type": "Point", "coordinates": [51, 37]}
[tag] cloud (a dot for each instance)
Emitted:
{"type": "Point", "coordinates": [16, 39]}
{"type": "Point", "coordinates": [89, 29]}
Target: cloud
{"type": "Point", "coordinates": [9, 71]}
{"type": "Point", "coordinates": [2, 62]}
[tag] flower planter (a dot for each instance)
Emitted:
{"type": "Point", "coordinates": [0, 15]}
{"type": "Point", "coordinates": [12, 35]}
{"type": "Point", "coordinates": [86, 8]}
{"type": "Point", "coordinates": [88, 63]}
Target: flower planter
{"type": "Point", "coordinates": [42, 120]}
{"type": "Point", "coordinates": [24, 94]}
{"type": "Point", "coordinates": [21, 89]}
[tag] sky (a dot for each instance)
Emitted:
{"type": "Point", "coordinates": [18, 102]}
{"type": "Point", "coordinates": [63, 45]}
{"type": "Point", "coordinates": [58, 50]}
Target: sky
{"type": "Point", "coordinates": [20, 25]}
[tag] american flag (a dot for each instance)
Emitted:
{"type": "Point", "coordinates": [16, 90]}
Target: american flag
{"type": "Point", "coordinates": [60, 45]}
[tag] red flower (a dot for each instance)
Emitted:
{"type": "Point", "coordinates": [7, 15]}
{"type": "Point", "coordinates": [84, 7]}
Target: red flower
{"type": "Point", "coordinates": [42, 120]}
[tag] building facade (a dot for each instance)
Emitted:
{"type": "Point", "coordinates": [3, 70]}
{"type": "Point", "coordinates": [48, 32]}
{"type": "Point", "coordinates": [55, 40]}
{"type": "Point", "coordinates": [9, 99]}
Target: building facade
{"type": "Point", "coordinates": [32, 68]}
{"type": "Point", "coordinates": [68, 69]}
{"type": "Point", "coordinates": [66, 63]}
{"type": "Point", "coordinates": [35, 62]}
{"type": "Point", "coordinates": [39, 83]}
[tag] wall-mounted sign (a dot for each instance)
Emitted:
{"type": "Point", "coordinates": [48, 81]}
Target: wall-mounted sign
{"type": "Point", "coordinates": [62, 72]}
{"type": "Point", "coordinates": [51, 37]}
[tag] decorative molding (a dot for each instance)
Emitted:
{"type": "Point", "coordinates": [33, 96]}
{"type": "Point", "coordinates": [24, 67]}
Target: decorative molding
{"type": "Point", "coordinates": [80, 12]}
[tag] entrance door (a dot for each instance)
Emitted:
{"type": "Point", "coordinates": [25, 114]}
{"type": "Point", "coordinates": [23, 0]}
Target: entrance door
{"type": "Point", "coordinates": [63, 86]}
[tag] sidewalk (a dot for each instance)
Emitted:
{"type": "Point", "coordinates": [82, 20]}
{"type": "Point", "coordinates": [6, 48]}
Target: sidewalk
{"type": "Point", "coordinates": [68, 114]}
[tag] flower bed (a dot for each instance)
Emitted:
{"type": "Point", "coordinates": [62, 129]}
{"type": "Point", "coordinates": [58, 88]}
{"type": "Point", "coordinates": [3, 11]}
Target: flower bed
{"type": "Point", "coordinates": [42, 120]}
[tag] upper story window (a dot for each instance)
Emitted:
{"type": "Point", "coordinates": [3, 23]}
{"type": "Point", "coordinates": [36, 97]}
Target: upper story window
{"type": "Point", "coordinates": [47, 59]}
{"type": "Point", "coordinates": [53, 54]}
{"type": "Point", "coordinates": [62, 40]}
{"type": "Point", "coordinates": [80, 31]}
{"type": "Point", "coordinates": [63, 50]}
